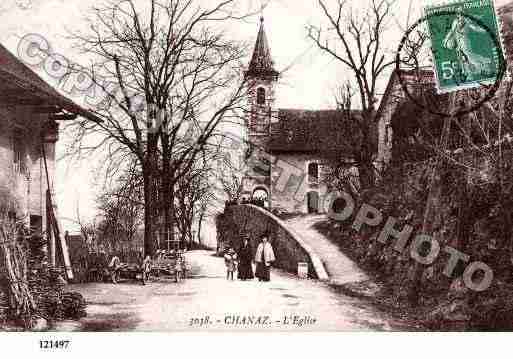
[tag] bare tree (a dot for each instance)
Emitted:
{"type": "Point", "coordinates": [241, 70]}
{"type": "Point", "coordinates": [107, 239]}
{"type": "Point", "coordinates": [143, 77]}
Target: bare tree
{"type": "Point", "coordinates": [194, 193]}
{"type": "Point", "coordinates": [121, 207]}
{"type": "Point", "coordinates": [465, 152]}
{"type": "Point", "coordinates": [165, 69]}
{"type": "Point", "coordinates": [340, 167]}
{"type": "Point", "coordinates": [229, 173]}
{"type": "Point", "coordinates": [355, 38]}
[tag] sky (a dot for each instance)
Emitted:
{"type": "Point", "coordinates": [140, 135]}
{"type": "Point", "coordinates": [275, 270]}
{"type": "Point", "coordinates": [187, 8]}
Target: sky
{"type": "Point", "coordinates": [308, 82]}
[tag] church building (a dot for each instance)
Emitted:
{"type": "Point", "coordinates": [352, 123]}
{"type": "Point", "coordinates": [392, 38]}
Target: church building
{"type": "Point", "coordinates": [289, 145]}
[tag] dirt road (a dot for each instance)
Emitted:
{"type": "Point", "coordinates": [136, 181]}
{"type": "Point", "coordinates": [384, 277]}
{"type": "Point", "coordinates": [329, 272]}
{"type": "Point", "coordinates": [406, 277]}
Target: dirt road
{"type": "Point", "coordinates": [209, 302]}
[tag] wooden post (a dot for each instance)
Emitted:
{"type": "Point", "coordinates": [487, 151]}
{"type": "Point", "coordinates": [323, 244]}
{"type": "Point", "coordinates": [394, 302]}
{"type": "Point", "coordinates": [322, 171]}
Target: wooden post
{"type": "Point", "coordinates": [49, 135]}
{"type": "Point", "coordinates": [49, 230]}
{"type": "Point", "coordinates": [64, 246]}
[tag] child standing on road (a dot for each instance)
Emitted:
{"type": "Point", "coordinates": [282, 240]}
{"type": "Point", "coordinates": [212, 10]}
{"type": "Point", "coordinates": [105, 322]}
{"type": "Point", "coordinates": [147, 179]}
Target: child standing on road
{"type": "Point", "coordinates": [230, 260]}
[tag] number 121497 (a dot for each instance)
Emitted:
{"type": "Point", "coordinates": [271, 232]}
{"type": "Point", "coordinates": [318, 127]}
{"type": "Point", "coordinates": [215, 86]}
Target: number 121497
{"type": "Point", "coordinates": [54, 344]}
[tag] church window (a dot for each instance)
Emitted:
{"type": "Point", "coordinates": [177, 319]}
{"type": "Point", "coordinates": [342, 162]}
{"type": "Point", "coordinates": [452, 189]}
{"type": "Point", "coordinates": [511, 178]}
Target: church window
{"type": "Point", "coordinates": [388, 134]}
{"type": "Point", "coordinates": [260, 96]}
{"type": "Point", "coordinates": [313, 172]}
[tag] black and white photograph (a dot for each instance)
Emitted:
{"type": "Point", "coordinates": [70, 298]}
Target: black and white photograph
{"type": "Point", "coordinates": [211, 166]}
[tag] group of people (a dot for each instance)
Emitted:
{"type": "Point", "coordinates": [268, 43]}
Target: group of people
{"type": "Point", "coordinates": [242, 262]}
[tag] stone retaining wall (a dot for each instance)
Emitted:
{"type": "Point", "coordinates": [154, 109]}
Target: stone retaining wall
{"type": "Point", "coordinates": [288, 246]}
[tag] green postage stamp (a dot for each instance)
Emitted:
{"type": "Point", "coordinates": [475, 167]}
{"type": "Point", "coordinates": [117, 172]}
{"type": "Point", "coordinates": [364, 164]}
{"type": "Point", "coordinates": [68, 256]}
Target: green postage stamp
{"type": "Point", "coordinates": [465, 44]}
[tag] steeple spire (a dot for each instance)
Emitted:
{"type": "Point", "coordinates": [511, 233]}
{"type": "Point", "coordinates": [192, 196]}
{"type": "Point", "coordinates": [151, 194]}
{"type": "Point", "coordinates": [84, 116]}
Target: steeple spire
{"type": "Point", "coordinates": [261, 63]}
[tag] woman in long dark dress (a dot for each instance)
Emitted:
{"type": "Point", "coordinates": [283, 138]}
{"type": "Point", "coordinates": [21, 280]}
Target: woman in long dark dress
{"type": "Point", "coordinates": [245, 270]}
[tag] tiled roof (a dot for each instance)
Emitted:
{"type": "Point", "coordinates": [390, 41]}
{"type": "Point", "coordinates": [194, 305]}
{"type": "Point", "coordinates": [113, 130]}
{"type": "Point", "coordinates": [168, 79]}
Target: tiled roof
{"type": "Point", "coordinates": [308, 131]}
{"type": "Point", "coordinates": [15, 76]}
{"type": "Point", "coordinates": [261, 63]}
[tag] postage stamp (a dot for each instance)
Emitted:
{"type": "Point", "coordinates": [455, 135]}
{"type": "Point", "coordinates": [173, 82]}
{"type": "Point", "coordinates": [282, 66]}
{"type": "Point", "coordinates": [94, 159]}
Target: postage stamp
{"type": "Point", "coordinates": [465, 44]}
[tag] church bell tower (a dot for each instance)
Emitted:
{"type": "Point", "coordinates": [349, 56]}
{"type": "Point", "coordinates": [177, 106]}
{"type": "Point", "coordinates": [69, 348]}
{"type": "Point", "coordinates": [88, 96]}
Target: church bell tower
{"type": "Point", "coordinates": [261, 78]}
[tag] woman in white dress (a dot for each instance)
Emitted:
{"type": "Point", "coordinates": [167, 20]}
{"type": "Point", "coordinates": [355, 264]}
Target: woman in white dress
{"type": "Point", "coordinates": [264, 257]}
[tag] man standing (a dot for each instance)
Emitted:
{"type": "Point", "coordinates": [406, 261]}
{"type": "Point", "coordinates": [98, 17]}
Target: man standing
{"type": "Point", "coordinates": [264, 258]}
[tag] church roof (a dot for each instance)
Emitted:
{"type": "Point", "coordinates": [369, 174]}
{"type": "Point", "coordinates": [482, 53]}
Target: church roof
{"type": "Point", "coordinates": [261, 63]}
{"type": "Point", "coordinates": [311, 131]}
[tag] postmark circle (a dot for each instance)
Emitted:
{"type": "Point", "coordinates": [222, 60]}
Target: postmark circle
{"type": "Point", "coordinates": [492, 90]}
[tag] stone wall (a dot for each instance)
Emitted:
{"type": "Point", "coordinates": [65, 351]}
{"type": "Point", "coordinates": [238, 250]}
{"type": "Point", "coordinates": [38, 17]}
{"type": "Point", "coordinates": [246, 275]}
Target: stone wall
{"type": "Point", "coordinates": [255, 221]}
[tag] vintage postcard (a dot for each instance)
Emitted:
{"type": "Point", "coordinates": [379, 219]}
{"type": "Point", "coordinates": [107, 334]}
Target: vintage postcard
{"type": "Point", "coordinates": [255, 166]}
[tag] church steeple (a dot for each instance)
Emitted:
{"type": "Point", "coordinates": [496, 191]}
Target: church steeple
{"type": "Point", "coordinates": [261, 79]}
{"type": "Point", "coordinates": [261, 64]}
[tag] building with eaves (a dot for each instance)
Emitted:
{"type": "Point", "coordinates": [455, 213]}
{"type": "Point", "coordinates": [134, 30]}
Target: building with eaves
{"type": "Point", "coordinates": [30, 112]}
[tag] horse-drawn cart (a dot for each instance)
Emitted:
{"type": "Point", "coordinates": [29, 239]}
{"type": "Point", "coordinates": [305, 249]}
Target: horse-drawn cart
{"type": "Point", "coordinates": [125, 271]}
{"type": "Point", "coordinates": [170, 263]}
{"type": "Point", "coordinates": [165, 263]}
